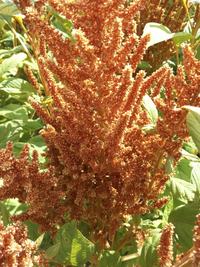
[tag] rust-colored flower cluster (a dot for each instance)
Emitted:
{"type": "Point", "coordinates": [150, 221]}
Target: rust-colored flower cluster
{"type": "Point", "coordinates": [102, 165]}
{"type": "Point", "coordinates": [16, 249]}
{"type": "Point", "coordinates": [165, 247]}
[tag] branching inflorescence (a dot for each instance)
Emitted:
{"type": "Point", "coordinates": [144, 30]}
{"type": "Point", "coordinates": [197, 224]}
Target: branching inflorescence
{"type": "Point", "coordinates": [102, 165]}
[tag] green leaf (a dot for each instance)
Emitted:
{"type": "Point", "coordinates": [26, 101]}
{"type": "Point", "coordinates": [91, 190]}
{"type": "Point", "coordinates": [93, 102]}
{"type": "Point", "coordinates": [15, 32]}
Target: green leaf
{"type": "Point", "coordinates": [19, 89]}
{"type": "Point", "coordinates": [181, 37]}
{"type": "Point", "coordinates": [190, 157]}
{"type": "Point", "coordinates": [14, 111]}
{"type": "Point", "coordinates": [33, 125]}
{"type": "Point", "coordinates": [110, 258]}
{"type": "Point", "coordinates": [150, 107]}
{"type": "Point", "coordinates": [32, 230]}
{"type": "Point", "coordinates": [58, 25]}
{"type": "Point", "coordinates": [5, 215]}
{"type": "Point", "coordinates": [39, 240]}
{"type": "Point", "coordinates": [195, 180]}
{"type": "Point", "coordinates": [149, 128]}
{"type": "Point", "coordinates": [6, 52]}
{"type": "Point", "coordinates": [193, 124]}
{"type": "Point", "coordinates": [12, 62]}
{"type": "Point", "coordinates": [169, 165]}
{"type": "Point", "coordinates": [10, 131]}
{"type": "Point", "coordinates": [75, 249]}
{"type": "Point", "coordinates": [14, 207]}
{"type": "Point", "coordinates": [183, 169]}
{"type": "Point", "coordinates": [183, 218]}
{"type": "Point", "coordinates": [182, 190]}
{"type": "Point", "coordinates": [144, 65]}
{"type": "Point", "coordinates": [160, 33]}
{"type": "Point", "coordinates": [52, 251]}
{"type": "Point", "coordinates": [7, 7]}
{"type": "Point", "coordinates": [149, 250]}
{"type": "Point", "coordinates": [167, 210]}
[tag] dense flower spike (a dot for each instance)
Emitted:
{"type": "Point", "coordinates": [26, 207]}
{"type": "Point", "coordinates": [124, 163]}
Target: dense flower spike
{"type": "Point", "coordinates": [102, 166]}
{"type": "Point", "coordinates": [165, 247]}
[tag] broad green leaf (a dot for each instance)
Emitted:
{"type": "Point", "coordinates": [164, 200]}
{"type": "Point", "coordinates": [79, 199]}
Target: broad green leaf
{"type": "Point", "coordinates": [167, 210]}
{"type": "Point", "coordinates": [75, 249]}
{"type": "Point", "coordinates": [195, 180]}
{"type": "Point", "coordinates": [189, 156]}
{"type": "Point", "coordinates": [7, 7]}
{"type": "Point", "coordinates": [32, 230]}
{"type": "Point", "coordinates": [169, 165]}
{"type": "Point", "coordinates": [183, 169]}
{"type": "Point", "coordinates": [160, 33]}
{"type": "Point", "coordinates": [10, 131]}
{"type": "Point", "coordinates": [183, 218]}
{"type": "Point", "coordinates": [193, 124]}
{"type": "Point", "coordinates": [5, 215]}
{"type": "Point", "coordinates": [149, 128]}
{"type": "Point", "coordinates": [19, 89]}
{"type": "Point", "coordinates": [2, 24]}
{"type": "Point", "coordinates": [182, 190]}
{"type": "Point", "coordinates": [33, 125]}
{"type": "Point", "coordinates": [110, 258]}
{"type": "Point", "coordinates": [144, 65]}
{"type": "Point", "coordinates": [149, 250]}
{"type": "Point", "coordinates": [14, 112]}
{"type": "Point", "coordinates": [12, 62]}
{"type": "Point", "coordinates": [150, 108]}
{"type": "Point", "coordinates": [38, 141]}
{"type": "Point", "coordinates": [6, 52]}
{"type": "Point", "coordinates": [52, 251]}
{"type": "Point", "coordinates": [14, 207]}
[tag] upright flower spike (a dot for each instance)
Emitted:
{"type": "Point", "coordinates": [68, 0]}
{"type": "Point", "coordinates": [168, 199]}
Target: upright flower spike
{"type": "Point", "coordinates": [97, 150]}
{"type": "Point", "coordinates": [165, 247]}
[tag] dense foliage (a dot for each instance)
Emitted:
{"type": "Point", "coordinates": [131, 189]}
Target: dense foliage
{"type": "Point", "coordinates": [99, 133]}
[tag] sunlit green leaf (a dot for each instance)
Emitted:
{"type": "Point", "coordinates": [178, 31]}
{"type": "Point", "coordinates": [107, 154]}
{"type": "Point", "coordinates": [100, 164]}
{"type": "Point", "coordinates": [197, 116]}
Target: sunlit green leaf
{"type": "Point", "coordinates": [193, 124]}
{"type": "Point", "coordinates": [7, 7]}
{"type": "Point", "coordinates": [195, 180]}
{"type": "Point", "coordinates": [160, 33]}
{"type": "Point", "coordinates": [182, 190]}
{"type": "Point", "coordinates": [10, 131]}
{"type": "Point", "coordinates": [12, 62]}
{"type": "Point", "coordinates": [14, 112]}
{"type": "Point", "coordinates": [150, 107]}
{"type": "Point", "coordinates": [183, 218]}
{"type": "Point", "coordinates": [110, 258]}
{"type": "Point", "coordinates": [75, 249]}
